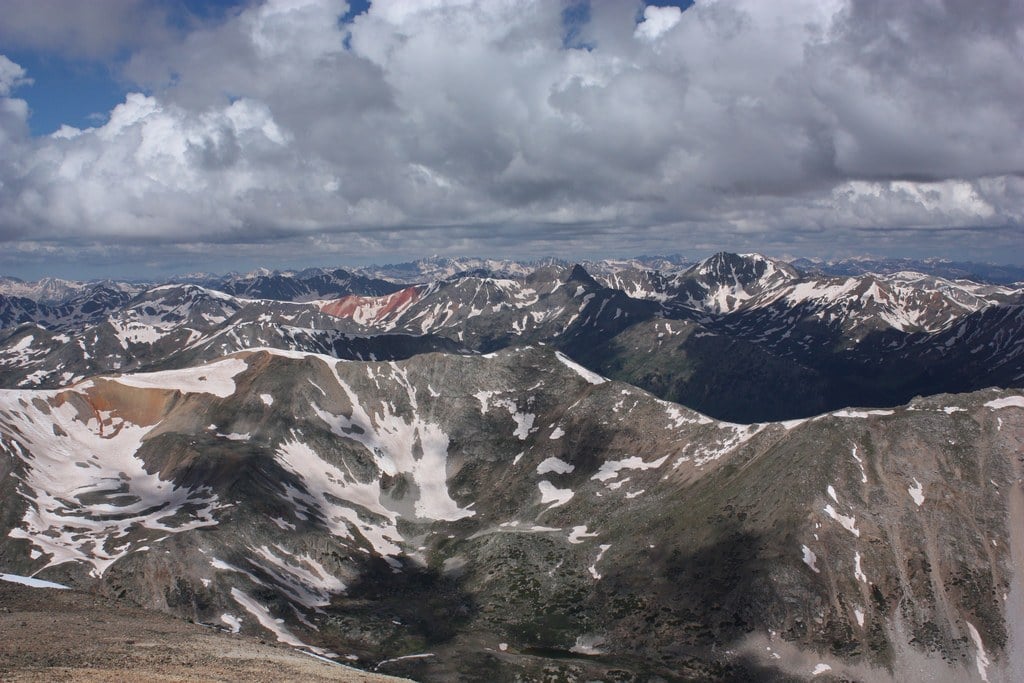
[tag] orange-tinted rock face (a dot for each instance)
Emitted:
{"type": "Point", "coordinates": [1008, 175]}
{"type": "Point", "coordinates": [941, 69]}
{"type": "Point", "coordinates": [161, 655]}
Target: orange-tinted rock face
{"type": "Point", "coordinates": [364, 309]}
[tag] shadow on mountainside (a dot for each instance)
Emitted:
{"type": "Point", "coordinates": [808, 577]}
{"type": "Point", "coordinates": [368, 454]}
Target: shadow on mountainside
{"type": "Point", "coordinates": [684, 611]}
{"type": "Point", "coordinates": [390, 615]}
{"type": "Point", "coordinates": [738, 375]}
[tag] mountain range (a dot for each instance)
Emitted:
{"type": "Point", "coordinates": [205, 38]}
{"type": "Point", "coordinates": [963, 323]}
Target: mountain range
{"type": "Point", "coordinates": [735, 469]}
{"type": "Point", "coordinates": [742, 338]}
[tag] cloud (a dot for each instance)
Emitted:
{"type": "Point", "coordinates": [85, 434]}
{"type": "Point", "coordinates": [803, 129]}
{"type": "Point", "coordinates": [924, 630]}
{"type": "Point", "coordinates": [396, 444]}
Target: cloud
{"type": "Point", "coordinates": [13, 129]}
{"type": "Point", "coordinates": [924, 90]}
{"type": "Point", "coordinates": [465, 124]}
{"type": "Point", "coordinates": [11, 76]}
{"type": "Point", "coordinates": [93, 29]}
{"type": "Point", "coordinates": [657, 21]}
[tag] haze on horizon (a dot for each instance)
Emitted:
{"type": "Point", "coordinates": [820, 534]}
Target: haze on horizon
{"type": "Point", "coordinates": [151, 138]}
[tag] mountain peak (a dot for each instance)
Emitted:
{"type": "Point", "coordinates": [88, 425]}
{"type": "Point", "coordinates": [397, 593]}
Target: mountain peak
{"type": "Point", "coordinates": [580, 274]}
{"type": "Point", "coordinates": [742, 271]}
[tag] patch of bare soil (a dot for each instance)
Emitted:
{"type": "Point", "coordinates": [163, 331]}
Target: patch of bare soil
{"type": "Point", "coordinates": [65, 635]}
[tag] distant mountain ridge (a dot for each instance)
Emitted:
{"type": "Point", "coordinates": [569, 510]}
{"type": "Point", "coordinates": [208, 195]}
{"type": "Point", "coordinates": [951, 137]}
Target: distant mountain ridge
{"type": "Point", "coordinates": [313, 283]}
{"type": "Point", "coordinates": [721, 336]}
{"type": "Point", "coordinates": [951, 270]}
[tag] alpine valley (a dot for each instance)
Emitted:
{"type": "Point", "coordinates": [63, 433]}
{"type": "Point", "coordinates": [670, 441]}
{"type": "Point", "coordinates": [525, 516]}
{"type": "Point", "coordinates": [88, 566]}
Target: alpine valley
{"type": "Point", "coordinates": [467, 469]}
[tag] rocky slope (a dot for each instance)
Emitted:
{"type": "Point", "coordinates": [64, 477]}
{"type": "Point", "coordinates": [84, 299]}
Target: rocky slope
{"type": "Point", "coordinates": [516, 516]}
{"type": "Point", "coordinates": [52, 635]}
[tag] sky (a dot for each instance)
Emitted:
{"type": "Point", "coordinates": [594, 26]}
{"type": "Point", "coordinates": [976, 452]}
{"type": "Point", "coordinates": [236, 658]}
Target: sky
{"type": "Point", "coordinates": [141, 138]}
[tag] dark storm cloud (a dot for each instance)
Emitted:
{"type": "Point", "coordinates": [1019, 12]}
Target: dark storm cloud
{"type": "Point", "coordinates": [428, 126]}
{"type": "Point", "coordinates": [925, 90]}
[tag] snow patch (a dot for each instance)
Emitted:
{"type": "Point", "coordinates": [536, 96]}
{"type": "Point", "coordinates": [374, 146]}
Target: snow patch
{"type": "Point", "coordinates": [271, 623]}
{"type": "Point", "coordinates": [524, 421]}
{"type": "Point", "coordinates": [610, 468]}
{"type": "Point", "coordinates": [423, 655]}
{"type": "Point", "coordinates": [549, 493]}
{"type": "Point", "coordinates": [588, 645]}
{"type": "Point", "coordinates": [591, 377]}
{"type": "Point", "coordinates": [332, 493]}
{"type": "Point", "coordinates": [810, 559]}
{"type": "Point", "coordinates": [848, 523]}
{"type": "Point", "coordinates": [917, 492]}
{"type": "Point", "coordinates": [394, 442]}
{"type": "Point", "coordinates": [23, 345]}
{"type": "Point", "coordinates": [981, 659]}
{"type": "Point", "coordinates": [555, 465]}
{"type": "Point", "coordinates": [732, 437]}
{"type": "Point", "coordinates": [234, 436]}
{"type": "Point", "coordinates": [304, 579]}
{"type": "Point", "coordinates": [233, 622]}
{"type": "Point", "coordinates": [68, 462]}
{"type": "Point", "coordinates": [484, 397]}
{"type": "Point", "coordinates": [858, 573]}
{"type": "Point", "coordinates": [860, 464]}
{"type": "Point", "coordinates": [1009, 401]}
{"type": "Point", "coordinates": [579, 533]}
{"type": "Point", "coordinates": [602, 549]}
{"type": "Point", "coordinates": [36, 583]}
{"type": "Point", "coordinates": [862, 414]}
{"type": "Point", "coordinates": [137, 332]}
{"type": "Point", "coordinates": [678, 418]}
{"type": "Point", "coordinates": [215, 378]}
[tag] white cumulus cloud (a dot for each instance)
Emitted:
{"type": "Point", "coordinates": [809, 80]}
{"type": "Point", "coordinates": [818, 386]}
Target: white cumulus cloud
{"type": "Point", "coordinates": [658, 20]}
{"type": "Point", "coordinates": [470, 125]}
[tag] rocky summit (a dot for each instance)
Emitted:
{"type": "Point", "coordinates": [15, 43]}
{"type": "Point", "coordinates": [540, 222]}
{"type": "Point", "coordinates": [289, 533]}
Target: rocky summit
{"type": "Point", "coordinates": [730, 470]}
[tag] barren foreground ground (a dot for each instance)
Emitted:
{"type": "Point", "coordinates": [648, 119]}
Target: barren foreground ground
{"type": "Point", "coordinates": [64, 635]}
